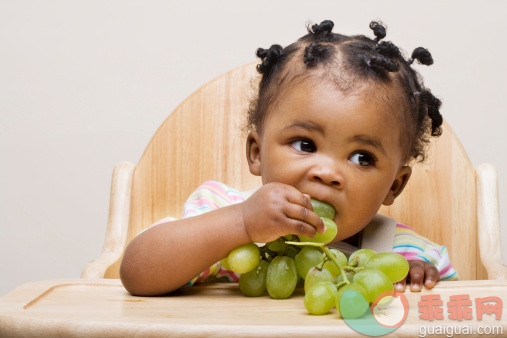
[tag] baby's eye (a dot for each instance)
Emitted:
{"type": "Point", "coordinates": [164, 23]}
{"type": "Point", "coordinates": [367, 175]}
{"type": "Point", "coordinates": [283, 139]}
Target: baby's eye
{"type": "Point", "coordinates": [364, 159]}
{"type": "Point", "coordinates": [304, 145]}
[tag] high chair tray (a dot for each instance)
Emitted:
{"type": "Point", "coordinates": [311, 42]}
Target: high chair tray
{"type": "Point", "coordinates": [102, 307]}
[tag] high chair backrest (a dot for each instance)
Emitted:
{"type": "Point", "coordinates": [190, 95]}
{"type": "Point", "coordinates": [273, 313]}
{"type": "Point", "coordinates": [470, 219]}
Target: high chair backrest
{"type": "Point", "coordinates": [201, 140]}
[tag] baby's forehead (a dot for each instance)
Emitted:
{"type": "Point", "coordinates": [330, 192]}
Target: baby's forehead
{"type": "Point", "coordinates": [369, 110]}
{"type": "Point", "coordinates": [386, 99]}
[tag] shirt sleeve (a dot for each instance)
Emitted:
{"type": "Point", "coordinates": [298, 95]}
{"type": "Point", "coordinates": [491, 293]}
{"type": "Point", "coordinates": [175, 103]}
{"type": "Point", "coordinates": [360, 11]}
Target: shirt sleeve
{"type": "Point", "coordinates": [209, 196]}
{"type": "Point", "coordinates": [416, 247]}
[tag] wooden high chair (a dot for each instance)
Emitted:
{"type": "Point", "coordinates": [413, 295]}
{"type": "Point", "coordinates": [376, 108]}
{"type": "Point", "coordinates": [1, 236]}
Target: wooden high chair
{"type": "Point", "coordinates": [445, 200]}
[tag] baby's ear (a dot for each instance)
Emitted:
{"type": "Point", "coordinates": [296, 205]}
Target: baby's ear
{"type": "Point", "coordinates": [253, 153]}
{"type": "Point", "coordinates": [398, 185]}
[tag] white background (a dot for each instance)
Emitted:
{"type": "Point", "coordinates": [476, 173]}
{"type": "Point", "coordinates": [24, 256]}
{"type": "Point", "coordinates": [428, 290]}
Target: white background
{"type": "Point", "coordinates": [85, 84]}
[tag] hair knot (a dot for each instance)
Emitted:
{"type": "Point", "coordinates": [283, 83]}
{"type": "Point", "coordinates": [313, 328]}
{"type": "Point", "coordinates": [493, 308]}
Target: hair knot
{"type": "Point", "coordinates": [269, 58]}
{"type": "Point", "coordinates": [380, 63]}
{"type": "Point", "coordinates": [379, 30]}
{"type": "Point", "coordinates": [433, 108]}
{"type": "Point", "coordinates": [387, 49]}
{"type": "Point", "coordinates": [324, 27]}
{"type": "Point", "coordinates": [422, 55]}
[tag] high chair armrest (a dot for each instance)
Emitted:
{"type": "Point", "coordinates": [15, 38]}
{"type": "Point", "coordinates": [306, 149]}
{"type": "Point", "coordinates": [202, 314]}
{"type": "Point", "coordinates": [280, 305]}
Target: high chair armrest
{"type": "Point", "coordinates": [117, 223]}
{"type": "Point", "coordinates": [488, 222]}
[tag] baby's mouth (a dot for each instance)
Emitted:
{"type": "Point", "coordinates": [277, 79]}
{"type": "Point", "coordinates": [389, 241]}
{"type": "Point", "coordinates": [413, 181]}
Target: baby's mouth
{"type": "Point", "coordinates": [326, 201]}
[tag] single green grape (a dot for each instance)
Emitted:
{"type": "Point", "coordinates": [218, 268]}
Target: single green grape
{"type": "Point", "coordinates": [244, 258]}
{"type": "Point", "coordinates": [282, 277]}
{"type": "Point", "coordinates": [394, 265]}
{"type": "Point", "coordinates": [351, 301]}
{"type": "Point", "coordinates": [320, 299]}
{"type": "Point", "coordinates": [360, 257]}
{"type": "Point", "coordinates": [374, 281]}
{"type": "Point", "coordinates": [307, 258]}
{"type": "Point", "coordinates": [225, 264]}
{"type": "Point", "coordinates": [315, 276]}
{"type": "Point", "coordinates": [323, 209]}
{"type": "Point", "coordinates": [328, 236]}
{"type": "Point", "coordinates": [331, 266]}
{"type": "Point", "coordinates": [253, 283]}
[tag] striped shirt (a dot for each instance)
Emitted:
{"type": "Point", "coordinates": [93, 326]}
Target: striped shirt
{"type": "Point", "coordinates": [212, 195]}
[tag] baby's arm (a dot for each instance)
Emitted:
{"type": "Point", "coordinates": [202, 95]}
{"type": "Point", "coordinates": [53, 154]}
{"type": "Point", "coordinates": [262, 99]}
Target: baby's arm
{"type": "Point", "coordinates": [168, 255]}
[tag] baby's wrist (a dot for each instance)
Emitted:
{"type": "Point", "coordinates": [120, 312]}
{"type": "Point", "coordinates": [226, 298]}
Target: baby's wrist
{"type": "Point", "coordinates": [241, 224]}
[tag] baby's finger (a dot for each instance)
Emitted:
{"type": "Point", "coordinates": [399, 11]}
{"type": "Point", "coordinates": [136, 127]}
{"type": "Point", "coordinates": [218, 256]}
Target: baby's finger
{"type": "Point", "coordinates": [297, 227]}
{"type": "Point", "coordinates": [301, 213]}
{"type": "Point", "coordinates": [309, 203]}
{"type": "Point", "coordinates": [401, 285]}
{"type": "Point", "coordinates": [295, 196]}
{"type": "Point", "coordinates": [298, 199]}
{"type": "Point", "coordinates": [432, 276]}
{"type": "Point", "coordinates": [416, 275]}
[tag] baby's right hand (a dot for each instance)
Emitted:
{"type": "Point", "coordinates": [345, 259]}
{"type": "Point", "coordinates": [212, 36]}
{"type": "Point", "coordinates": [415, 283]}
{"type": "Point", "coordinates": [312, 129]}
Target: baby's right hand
{"type": "Point", "coordinates": [278, 209]}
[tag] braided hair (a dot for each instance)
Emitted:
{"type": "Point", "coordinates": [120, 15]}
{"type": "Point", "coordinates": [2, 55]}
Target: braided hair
{"type": "Point", "coordinates": [345, 60]}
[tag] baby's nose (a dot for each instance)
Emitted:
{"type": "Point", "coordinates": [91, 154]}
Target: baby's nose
{"type": "Point", "coordinates": [327, 174]}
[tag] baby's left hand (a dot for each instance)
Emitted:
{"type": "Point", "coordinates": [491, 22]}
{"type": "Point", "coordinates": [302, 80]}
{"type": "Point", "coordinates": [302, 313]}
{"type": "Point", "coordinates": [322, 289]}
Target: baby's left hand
{"type": "Point", "coordinates": [419, 272]}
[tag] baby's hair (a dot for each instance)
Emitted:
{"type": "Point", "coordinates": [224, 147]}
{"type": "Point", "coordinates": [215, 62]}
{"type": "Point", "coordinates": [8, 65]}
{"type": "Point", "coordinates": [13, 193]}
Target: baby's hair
{"type": "Point", "coordinates": [344, 60]}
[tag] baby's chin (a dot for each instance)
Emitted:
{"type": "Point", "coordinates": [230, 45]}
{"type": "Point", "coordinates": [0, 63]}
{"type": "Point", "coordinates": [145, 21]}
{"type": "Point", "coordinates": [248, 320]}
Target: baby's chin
{"type": "Point", "coordinates": [339, 238]}
{"type": "Point", "coordinates": [334, 241]}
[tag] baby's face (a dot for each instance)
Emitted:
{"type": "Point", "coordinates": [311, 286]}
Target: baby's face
{"type": "Point", "coordinates": [342, 149]}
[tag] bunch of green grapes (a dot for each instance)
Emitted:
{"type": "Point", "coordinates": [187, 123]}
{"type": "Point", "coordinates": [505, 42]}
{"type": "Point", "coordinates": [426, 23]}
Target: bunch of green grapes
{"type": "Point", "coordinates": [279, 265]}
{"type": "Point", "coordinates": [327, 273]}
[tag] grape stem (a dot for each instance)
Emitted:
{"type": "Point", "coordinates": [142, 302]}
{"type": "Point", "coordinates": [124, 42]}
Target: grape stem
{"type": "Point", "coordinates": [320, 245]}
{"type": "Point", "coordinates": [320, 266]}
{"type": "Point", "coordinates": [340, 284]}
{"type": "Point", "coordinates": [335, 261]}
{"type": "Point", "coordinates": [328, 253]}
{"type": "Point", "coordinates": [350, 268]}
{"type": "Point", "coordinates": [354, 263]}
